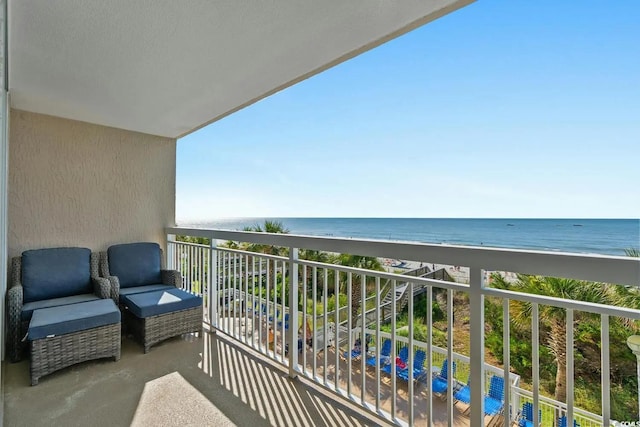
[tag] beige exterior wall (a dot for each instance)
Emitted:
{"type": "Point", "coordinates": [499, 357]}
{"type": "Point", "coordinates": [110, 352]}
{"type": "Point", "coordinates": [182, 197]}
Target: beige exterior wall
{"type": "Point", "coordinates": [76, 184]}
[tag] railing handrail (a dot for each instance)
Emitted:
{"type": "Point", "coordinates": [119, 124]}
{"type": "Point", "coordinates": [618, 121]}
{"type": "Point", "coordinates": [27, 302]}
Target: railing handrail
{"type": "Point", "coordinates": [179, 242]}
{"type": "Point", "coordinates": [598, 268]}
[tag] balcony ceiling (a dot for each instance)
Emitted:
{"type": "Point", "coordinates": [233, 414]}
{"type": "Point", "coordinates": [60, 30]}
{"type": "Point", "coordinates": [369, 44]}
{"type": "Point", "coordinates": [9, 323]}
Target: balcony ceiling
{"type": "Point", "coordinates": [170, 67]}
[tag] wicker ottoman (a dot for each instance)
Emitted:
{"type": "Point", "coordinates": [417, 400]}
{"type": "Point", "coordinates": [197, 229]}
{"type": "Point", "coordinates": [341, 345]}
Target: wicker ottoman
{"type": "Point", "coordinates": [155, 316]}
{"type": "Point", "coordinates": [66, 335]}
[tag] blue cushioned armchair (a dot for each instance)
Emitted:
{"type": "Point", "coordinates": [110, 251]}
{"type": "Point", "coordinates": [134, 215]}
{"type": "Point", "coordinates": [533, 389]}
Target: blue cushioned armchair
{"type": "Point", "coordinates": [134, 268]}
{"type": "Point", "coordinates": [44, 278]}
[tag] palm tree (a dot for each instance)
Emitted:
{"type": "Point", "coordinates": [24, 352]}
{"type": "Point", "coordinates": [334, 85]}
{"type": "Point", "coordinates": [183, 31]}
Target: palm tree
{"type": "Point", "coordinates": [553, 319]}
{"type": "Point", "coordinates": [316, 256]}
{"type": "Point", "coordinates": [269, 227]}
{"type": "Point", "coordinates": [358, 261]}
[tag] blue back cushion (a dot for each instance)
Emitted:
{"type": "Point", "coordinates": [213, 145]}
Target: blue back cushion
{"type": "Point", "coordinates": [56, 273]}
{"type": "Point", "coordinates": [135, 264]}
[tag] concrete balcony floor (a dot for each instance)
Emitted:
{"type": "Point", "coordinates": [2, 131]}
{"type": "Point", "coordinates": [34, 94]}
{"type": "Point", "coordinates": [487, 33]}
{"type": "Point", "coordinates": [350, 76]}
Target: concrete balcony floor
{"type": "Point", "coordinates": [210, 380]}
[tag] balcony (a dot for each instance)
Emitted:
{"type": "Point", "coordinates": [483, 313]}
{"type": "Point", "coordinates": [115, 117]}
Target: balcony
{"type": "Point", "coordinates": [238, 370]}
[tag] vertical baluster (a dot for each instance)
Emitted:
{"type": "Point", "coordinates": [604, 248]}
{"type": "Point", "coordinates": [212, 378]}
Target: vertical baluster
{"type": "Point", "coordinates": [325, 324]}
{"type": "Point", "coordinates": [314, 310]}
{"type": "Point", "coordinates": [212, 283]}
{"type": "Point", "coordinates": [476, 306]}
{"type": "Point", "coordinates": [363, 309]}
{"type": "Point", "coordinates": [269, 314]}
{"type": "Point", "coordinates": [569, 366]}
{"type": "Point", "coordinates": [237, 278]}
{"type": "Point", "coordinates": [187, 267]}
{"type": "Point", "coordinates": [394, 351]}
{"type": "Point", "coordinates": [264, 304]}
{"type": "Point", "coordinates": [224, 301]}
{"type": "Point", "coordinates": [336, 319]}
{"type": "Point", "coordinates": [229, 293]}
{"type": "Point", "coordinates": [429, 355]}
{"type": "Point", "coordinates": [605, 371]}
{"type": "Point", "coordinates": [293, 311]}
{"type": "Point", "coordinates": [411, 351]}
{"type": "Point", "coordinates": [245, 297]}
{"type": "Point", "coordinates": [276, 310]}
{"type": "Point", "coordinates": [283, 300]}
{"type": "Point", "coordinates": [305, 280]}
{"type": "Point", "coordinates": [254, 301]}
{"type": "Point", "coordinates": [200, 271]}
{"type": "Point", "coordinates": [364, 346]}
{"type": "Point", "coordinates": [506, 357]}
{"type": "Point", "coordinates": [350, 327]}
{"type": "Point", "coordinates": [450, 372]}
{"type": "Point", "coordinates": [535, 350]}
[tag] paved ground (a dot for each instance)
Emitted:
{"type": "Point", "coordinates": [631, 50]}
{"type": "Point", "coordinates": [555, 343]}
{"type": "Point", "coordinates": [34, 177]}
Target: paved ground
{"type": "Point", "coordinates": [242, 385]}
{"type": "Point", "coordinates": [208, 375]}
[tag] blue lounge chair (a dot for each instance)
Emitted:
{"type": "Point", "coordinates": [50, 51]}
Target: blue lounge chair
{"type": "Point", "coordinates": [355, 352]}
{"type": "Point", "coordinates": [439, 383]}
{"type": "Point", "coordinates": [464, 394]}
{"type": "Point", "coordinates": [271, 318]}
{"type": "Point", "coordinates": [285, 321]}
{"type": "Point", "coordinates": [494, 402]}
{"type": "Point", "coordinates": [526, 419]}
{"type": "Point", "coordinates": [263, 310]}
{"type": "Point", "coordinates": [385, 351]}
{"type": "Point", "coordinates": [403, 355]}
{"type": "Point", "coordinates": [562, 422]}
{"type": "Point", "coordinates": [418, 367]}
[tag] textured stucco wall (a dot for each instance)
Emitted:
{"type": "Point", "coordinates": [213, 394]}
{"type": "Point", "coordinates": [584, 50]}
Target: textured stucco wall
{"type": "Point", "coordinates": [76, 184]}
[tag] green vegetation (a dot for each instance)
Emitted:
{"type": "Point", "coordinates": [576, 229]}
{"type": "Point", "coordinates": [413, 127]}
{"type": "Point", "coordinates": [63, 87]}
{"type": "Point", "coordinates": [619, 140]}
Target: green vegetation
{"type": "Point", "coordinates": [587, 339]}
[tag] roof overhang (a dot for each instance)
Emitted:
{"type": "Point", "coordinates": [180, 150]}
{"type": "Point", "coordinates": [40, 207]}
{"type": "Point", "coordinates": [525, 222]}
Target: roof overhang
{"type": "Point", "coordinates": [167, 67]}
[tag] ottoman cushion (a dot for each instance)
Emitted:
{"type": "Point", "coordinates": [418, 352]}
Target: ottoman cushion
{"type": "Point", "coordinates": [160, 302]}
{"type": "Point", "coordinates": [141, 289]}
{"type": "Point", "coordinates": [66, 319]}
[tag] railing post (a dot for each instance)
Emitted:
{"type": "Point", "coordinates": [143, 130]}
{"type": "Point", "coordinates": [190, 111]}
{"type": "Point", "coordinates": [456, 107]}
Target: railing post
{"type": "Point", "coordinates": [170, 253]}
{"type": "Point", "coordinates": [476, 356]}
{"type": "Point", "coordinates": [212, 284]}
{"type": "Point", "coordinates": [292, 336]}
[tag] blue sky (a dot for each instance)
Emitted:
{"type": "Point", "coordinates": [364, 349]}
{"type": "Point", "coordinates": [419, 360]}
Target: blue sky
{"type": "Point", "coordinates": [500, 109]}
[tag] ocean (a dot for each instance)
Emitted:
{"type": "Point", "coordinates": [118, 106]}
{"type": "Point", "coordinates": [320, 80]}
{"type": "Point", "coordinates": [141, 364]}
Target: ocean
{"type": "Point", "coordinates": [594, 236]}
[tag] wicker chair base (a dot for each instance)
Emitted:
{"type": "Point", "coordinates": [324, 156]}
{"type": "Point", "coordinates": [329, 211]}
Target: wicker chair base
{"type": "Point", "coordinates": [52, 354]}
{"type": "Point", "coordinates": [154, 329]}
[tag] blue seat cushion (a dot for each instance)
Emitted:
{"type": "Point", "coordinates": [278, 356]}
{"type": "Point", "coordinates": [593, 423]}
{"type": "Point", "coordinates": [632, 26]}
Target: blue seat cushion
{"type": "Point", "coordinates": [135, 264]}
{"type": "Point", "coordinates": [439, 385]}
{"type": "Point", "coordinates": [492, 406]}
{"type": "Point", "coordinates": [160, 302]}
{"type": "Point", "coordinates": [66, 319]}
{"type": "Point", "coordinates": [28, 308]}
{"type": "Point", "coordinates": [56, 273]}
{"type": "Point", "coordinates": [140, 289]}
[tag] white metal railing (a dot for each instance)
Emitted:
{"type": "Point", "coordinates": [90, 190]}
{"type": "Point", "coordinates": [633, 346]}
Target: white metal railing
{"type": "Point", "coordinates": [234, 282]}
{"type": "Point", "coordinates": [550, 409]}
